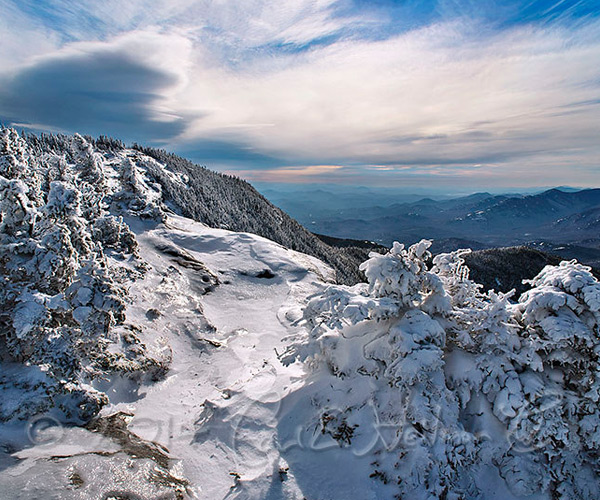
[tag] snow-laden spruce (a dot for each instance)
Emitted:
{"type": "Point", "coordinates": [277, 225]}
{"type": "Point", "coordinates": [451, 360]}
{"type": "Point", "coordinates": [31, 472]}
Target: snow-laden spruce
{"type": "Point", "coordinates": [453, 389]}
{"type": "Point", "coordinates": [66, 262]}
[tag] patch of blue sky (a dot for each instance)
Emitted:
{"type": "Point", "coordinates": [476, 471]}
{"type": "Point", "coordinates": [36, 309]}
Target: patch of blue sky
{"type": "Point", "coordinates": [66, 18]}
{"type": "Point", "coordinates": [398, 16]}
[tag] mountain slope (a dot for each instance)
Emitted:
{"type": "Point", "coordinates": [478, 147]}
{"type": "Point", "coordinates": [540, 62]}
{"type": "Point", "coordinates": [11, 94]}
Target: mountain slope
{"type": "Point", "coordinates": [148, 356]}
{"type": "Point", "coordinates": [215, 199]}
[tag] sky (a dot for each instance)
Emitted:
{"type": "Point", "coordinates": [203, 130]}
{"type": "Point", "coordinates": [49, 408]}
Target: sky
{"type": "Point", "coordinates": [442, 93]}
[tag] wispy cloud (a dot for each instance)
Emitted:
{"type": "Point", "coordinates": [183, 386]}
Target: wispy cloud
{"type": "Point", "coordinates": [448, 89]}
{"type": "Point", "coordinates": [441, 94]}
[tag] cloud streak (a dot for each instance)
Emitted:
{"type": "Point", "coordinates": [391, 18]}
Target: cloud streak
{"type": "Point", "coordinates": [495, 90]}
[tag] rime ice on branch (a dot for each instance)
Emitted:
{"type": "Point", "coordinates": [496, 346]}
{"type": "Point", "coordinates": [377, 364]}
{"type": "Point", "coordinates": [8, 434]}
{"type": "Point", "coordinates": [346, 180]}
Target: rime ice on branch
{"type": "Point", "coordinates": [476, 379]}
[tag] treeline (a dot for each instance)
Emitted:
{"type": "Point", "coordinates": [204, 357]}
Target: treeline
{"type": "Point", "coordinates": [227, 202]}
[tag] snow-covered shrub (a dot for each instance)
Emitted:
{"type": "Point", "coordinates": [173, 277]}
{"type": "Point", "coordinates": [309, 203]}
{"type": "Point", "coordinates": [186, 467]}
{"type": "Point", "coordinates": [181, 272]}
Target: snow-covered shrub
{"type": "Point", "coordinates": [560, 316]}
{"type": "Point", "coordinates": [467, 381]}
{"type": "Point", "coordinates": [142, 197]}
{"type": "Point", "coordinates": [114, 234]}
{"type": "Point", "coordinates": [16, 162]}
{"type": "Point", "coordinates": [19, 214]}
{"type": "Point", "coordinates": [454, 274]}
{"type": "Point", "coordinates": [390, 331]}
{"type": "Point", "coordinates": [89, 162]}
{"type": "Point", "coordinates": [61, 297]}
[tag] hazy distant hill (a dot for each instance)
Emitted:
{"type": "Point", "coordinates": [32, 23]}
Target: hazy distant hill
{"type": "Point", "coordinates": [566, 222]}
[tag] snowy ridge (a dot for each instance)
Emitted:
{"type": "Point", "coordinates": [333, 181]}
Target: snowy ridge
{"type": "Point", "coordinates": [145, 355]}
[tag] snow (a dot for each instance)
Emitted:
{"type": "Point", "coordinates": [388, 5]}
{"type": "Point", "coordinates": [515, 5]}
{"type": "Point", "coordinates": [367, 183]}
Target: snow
{"type": "Point", "coordinates": [218, 410]}
{"type": "Point", "coordinates": [224, 404]}
{"type": "Point", "coordinates": [229, 367]}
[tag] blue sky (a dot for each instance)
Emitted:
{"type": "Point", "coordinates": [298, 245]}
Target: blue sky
{"type": "Point", "coordinates": [388, 93]}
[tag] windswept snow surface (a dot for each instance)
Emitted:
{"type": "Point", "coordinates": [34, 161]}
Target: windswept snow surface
{"type": "Point", "coordinates": [220, 406]}
{"type": "Point", "coordinates": [218, 409]}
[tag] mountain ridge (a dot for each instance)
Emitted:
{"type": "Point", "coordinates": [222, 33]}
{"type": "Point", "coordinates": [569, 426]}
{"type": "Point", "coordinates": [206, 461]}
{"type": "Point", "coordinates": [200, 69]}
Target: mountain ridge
{"type": "Point", "coordinates": [147, 355]}
{"type": "Point", "coordinates": [555, 216]}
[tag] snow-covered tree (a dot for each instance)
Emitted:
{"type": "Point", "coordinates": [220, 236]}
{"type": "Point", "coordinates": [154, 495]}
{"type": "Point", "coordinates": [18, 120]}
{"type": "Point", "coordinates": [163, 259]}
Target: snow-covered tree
{"type": "Point", "coordinates": [61, 299]}
{"type": "Point", "coordinates": [390, 330]}
{"type": "Point", "coordinates": [560, 316]}
{"type": "Point", "coordinates": [474, 380]}
{"type": "Point", "coordinates": [88, 161]}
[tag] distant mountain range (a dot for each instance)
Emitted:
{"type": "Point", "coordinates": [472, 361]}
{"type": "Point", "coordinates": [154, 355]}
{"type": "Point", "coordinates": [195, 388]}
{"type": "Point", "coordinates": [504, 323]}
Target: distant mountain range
{"type": "Point", "coordinates": [560, 221]}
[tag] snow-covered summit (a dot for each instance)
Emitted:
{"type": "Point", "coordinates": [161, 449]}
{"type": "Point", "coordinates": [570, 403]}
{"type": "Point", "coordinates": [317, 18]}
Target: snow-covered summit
{"type": "Point", "coordinates": [117, 312]}
{"type": "Point", "coordinates": [147, 355]}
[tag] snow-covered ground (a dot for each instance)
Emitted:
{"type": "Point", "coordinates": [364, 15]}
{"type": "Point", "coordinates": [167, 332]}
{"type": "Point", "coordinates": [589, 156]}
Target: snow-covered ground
{"type": "Point", "coordinates": [219, 411]}
{"type": "Point", "coordinates": [148, 356]}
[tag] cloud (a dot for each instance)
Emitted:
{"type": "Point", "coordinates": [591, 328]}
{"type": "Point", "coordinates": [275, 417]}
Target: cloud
{"type": "Point", "coordinates": [21, 37]}
{"type": "Point", "coordinates": [121, 87]}
{"type": "Point", "coordinates": [227, 152]}
{"type": "Point", "coordinates": [233, 28]}
{"type": "Point", "coordinates": [444, 94]}
{"type": "Point", "coordinates": [412, 87]}
{"type": "Point", "coordinates": [297, 174]}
